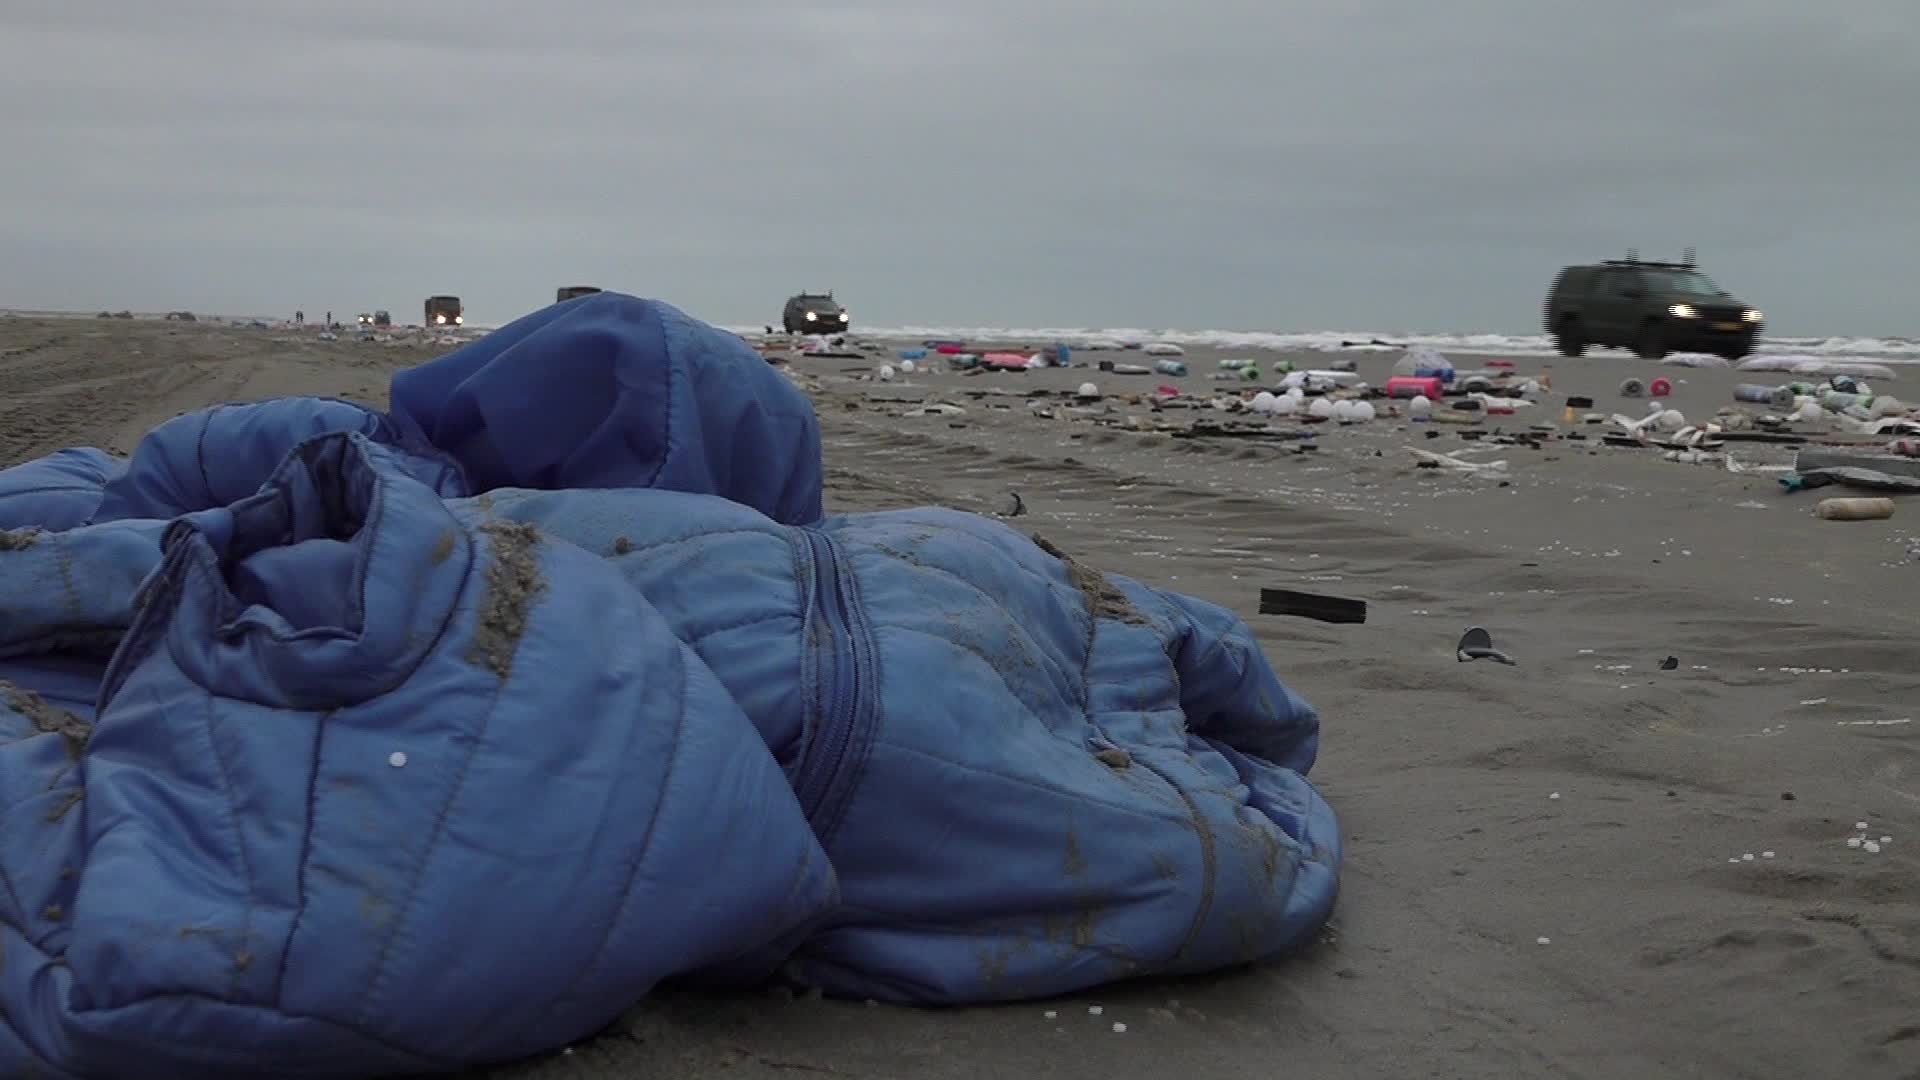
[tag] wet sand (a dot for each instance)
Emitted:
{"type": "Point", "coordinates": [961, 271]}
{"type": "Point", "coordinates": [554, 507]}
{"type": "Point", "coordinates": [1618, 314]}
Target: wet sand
{"type": "Point", "coordinates": [1547, 870]}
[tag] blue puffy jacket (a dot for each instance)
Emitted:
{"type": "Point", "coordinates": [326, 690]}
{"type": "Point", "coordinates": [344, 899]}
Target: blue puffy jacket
{"type": "Point", "coordinates": [384, 780]}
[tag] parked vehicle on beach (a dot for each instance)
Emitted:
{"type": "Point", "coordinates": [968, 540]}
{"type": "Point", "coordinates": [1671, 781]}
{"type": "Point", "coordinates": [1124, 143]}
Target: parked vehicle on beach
{"type": "Point", "coordinates": [1652, 308]}
{"type": "Point", "coordinates": [569, 292]}
{"type": "Point", "coordinates": [444, 311]}
{"type": "Point", "coordinates": [814, 313]}
{"type": "Point", "coordinates": [378, 320]}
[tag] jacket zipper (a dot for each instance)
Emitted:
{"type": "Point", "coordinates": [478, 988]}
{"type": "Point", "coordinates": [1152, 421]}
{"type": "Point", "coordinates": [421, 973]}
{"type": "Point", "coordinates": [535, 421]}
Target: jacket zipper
{"type": "Point", "coordinates": [845, 681]}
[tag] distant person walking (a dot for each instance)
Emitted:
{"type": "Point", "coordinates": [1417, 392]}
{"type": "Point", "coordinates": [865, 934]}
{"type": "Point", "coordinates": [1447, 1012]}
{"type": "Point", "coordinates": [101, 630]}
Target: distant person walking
{"type": "Point", "coordinates": [329, 320]}
{"type": "Point", "coordinates": [299, 318]}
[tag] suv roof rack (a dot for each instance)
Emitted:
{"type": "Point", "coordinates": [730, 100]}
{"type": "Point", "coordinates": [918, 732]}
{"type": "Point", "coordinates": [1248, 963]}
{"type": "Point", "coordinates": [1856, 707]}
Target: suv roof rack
{"type": "Point", "coordinates": [1649, 263]}
{"type": "Point", "coordinates": [1687, 261]}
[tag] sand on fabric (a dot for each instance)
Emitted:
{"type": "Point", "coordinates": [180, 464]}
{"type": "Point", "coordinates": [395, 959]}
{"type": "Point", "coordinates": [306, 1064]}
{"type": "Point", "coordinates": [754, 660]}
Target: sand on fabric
{"type": "Point", "coordinates": [1793, 714]}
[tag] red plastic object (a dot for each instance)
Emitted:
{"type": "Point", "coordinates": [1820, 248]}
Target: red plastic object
{"type": "Point", "coordinates": [948, 350]}
{"type": "Point", "coordinates": [1659, 388]}
{"type": "Point", "coordinates": [1410, 386]}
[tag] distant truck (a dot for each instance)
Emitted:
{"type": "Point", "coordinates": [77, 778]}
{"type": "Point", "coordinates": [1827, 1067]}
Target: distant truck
{"type": "Point", "coordinates": [569, 292]}
{"type": "Point", "coordinates": [379, 320]}
{"type": "Point", "coordinates": [444, 311]}
{"type": "Point", "coordinates": [814, 313]}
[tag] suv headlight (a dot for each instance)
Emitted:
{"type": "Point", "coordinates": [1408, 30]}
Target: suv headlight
{"type": "Point", "coordinates": [843, 316]}
{"type": "Point", "coordinates": [1751, 315]}
{"type": "Point", "coordinates": [812, 317]}
{"type": "Point", "coordinates": [1682, 311]}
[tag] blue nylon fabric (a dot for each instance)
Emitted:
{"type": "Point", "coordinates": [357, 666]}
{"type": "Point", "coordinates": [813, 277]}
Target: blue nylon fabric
{"type": "Point", "coordinates": [221, 454]}
{"type": "Point", "coordinates": [581, 810]}
{"type": "Point", "coordinates": [651, 398]}
{"type": "Point", "coordinates": [991, 849]}
{"type": "Point", "coordinates": [647, 733]}
{"type": "Point", "coordinates": [58, 491]}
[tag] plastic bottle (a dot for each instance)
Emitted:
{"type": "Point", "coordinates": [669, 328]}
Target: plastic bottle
{"type": "Point", "coordinates": [1854, 509]}
{"type": "Point", "coordinates": [1424, 362]}
{"type": "Point", "coordinates": [1837, 400]}
{"type": "Point", "coordinates": [1235, 363]}
{"type": "Point", "coordinates": [1761, 395]}
{"type": "Point", "coordinates": [1170, 367]}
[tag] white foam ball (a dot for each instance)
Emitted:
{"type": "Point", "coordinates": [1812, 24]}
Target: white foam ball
{"type": "Point", "coordinates": [1087, 390]}
{"type": "Point", "coordinates": [1321, 408]}
{"type": "Point", "coordinates": [1363, 411]}
{"type": "Point", "coordinates": [907, 366]}
{"type": "Point", "coordinates": [1286, 405]}
{"type": "Point", "coordinates": [886, 372]}
{"type": "Point", "coordinates": [1262, 402]}
{"type": "Point", "coordinates": [1420, 407]}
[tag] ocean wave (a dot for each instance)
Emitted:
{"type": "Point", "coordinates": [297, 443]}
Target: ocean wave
{"type": "Point", "coordinates": [1884, 350]}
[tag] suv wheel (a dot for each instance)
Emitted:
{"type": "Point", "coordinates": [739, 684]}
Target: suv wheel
{"type": "Point", "coordinates": [1651, 344]}
{"type": "Point", "coordinates": [1570, 339]}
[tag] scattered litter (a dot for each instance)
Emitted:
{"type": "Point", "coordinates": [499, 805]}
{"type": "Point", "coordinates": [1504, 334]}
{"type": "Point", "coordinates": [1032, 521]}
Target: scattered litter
{"type": "Point", "coordinates": [1050, 1014]}
{"type": "Point", "coordinates": [397, 759]}
{"type": "Point", "coordinates": [1555, 795]}
{"type": "Point", "coordinates": [1542, 941]}
{"type": "Point", "coordinates": [1854, 509]}
{"type": "Point", "coordinates": [1431, 460]}
{"type": "Point", "coordinates": [1766, 854]}
{"type": "Point", "coordinates": [1119, 1028]}
{"type": "Point", "coordinates": [1095, 1010]}
{"type": "Point", "coordinates": [1477, 644]}
{"type": "Point", "coordinates": [1321, 608]}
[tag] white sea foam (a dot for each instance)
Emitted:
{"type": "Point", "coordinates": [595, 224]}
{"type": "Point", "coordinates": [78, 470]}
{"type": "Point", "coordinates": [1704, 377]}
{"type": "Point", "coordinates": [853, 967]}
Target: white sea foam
{"type": "Point", "coordinates": [1880, 350]}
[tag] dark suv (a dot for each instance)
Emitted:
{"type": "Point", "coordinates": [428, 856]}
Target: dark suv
{"type": "Point", "coordinates": [1652, 308]}
{"type": "Point", "coordinates": [814, 313]}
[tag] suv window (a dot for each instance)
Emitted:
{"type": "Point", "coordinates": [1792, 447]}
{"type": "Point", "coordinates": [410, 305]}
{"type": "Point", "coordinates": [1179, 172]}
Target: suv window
{"type": "Point", "coordinates": [1615, 283]}
{"type": "Point", "coordinates": [1684, 282]}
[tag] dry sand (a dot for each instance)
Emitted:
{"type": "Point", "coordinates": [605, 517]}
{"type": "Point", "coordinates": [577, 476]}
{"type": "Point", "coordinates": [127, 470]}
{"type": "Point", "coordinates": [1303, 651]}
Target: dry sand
{"type": "Point", "coordinates": [1547, 869]}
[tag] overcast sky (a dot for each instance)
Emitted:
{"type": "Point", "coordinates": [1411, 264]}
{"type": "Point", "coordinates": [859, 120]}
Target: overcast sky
{"type": "Point", "coordinates": [1249, 164]}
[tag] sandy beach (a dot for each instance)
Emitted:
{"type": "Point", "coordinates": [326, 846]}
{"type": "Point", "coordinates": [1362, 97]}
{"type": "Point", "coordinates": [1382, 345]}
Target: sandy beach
{"type": "Point", "coordinates": [1582, 865]}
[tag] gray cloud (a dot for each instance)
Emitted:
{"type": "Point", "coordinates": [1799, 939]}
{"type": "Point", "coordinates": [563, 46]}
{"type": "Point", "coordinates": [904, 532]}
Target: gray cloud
{"type": "Point", "coordinates": [1363, 164]}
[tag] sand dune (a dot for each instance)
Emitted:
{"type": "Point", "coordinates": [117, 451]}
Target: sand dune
{"type": "Point", "coordinates": [1548, 869]}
